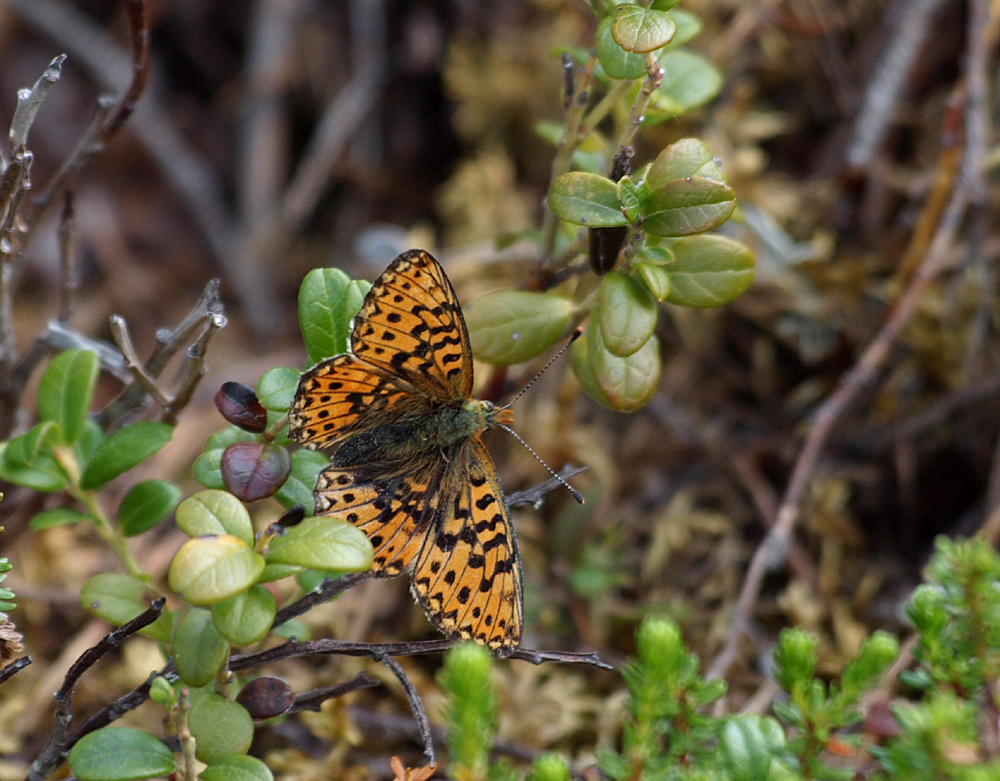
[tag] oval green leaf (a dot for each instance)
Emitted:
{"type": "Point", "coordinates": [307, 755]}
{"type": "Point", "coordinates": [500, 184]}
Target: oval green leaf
{"type": "Point", "coordinates": [58, 517]}
{"type": "Point", "coordinates": [247, 617]}
{"type": "Point", "coordinates": [220, 727]}
{"type": "Point", "coordinates": [22, 450]}
{"type": "Point", "coordinates": [513, 326]}
{"type": "Point", "coordinates": [301, 482]}
{"type": "Point", "coordinates": [66, 390]}
{"type": "Point", "coordinates": [207, 570]}
{"type": "Point", "coordinates": [43, 475]}
{"type": "Point", "coordinates": [214, 512]}
{"type": "Point", "coordinates": [586, 199]}
{"type": "Point", "coordinates": [276, 388]}
{"type": "Point", "coordinates": [145, 505]}
{"type": "Point", "coordinates": [236, 767]}
{"type": "Point", "coordinates": [127, 447]}
{"type": "Point", "coordinates": [120, 754]}
{"type": "Point", "coordinates": [328, 300]}
{"type": "Point", "coordinates": [580, 361]}
{"type": "Point", "coordinates": [685, 158]}
{"type": "Point", "coordinates": [656, 278]}
{"type": "Point", "coordinates": [617, 63]}
{"type": "Point", "coordinates": [682, 207]}
{"type": "Point", "coordinates": [626, 313]}
{"type": "Point", "coordinates": [627, 383]}
{"type": "Point", "coordinates": [118, 598]}
{"type": "Point", "coordinates": [689, 81]}
{"type": "Point", "coordinates": [639, 30]}
{"type": "Point", "coordinates": [323, 543]}
{"type": "Point", "coordinates": [709, 271]}
{"type": "Point", "coordinates": [199, 650]}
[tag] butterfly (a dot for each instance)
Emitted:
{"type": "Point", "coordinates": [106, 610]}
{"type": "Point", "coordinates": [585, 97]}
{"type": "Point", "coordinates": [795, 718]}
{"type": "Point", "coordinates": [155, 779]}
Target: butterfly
{"type": "Point", "coordinates": [410, 469]}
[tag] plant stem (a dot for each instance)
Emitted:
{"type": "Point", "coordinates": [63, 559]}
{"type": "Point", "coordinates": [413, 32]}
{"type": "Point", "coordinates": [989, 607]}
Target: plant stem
{"type": "Point", "coordinates": [105, 529]}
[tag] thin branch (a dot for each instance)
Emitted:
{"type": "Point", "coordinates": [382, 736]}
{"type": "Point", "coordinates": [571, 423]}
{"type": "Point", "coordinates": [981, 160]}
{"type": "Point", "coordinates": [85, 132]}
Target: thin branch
{"type": "Point", "coordinates": [314, 699]}
{"type": "Point", "coordinates": [536, 494]}
{"type": "Point", "coordinates": [416, 705]}
{"type": "Point", "coordinates": [772, 551]}
{"type": "Point", "coordinates": [326, 590]}
{"type": "Point", "coordinates": [119, 330]}
{"type": "Point", "coordinates": [30, 100]}
{"type": "Point", "coordinates": [194, 369]}
{"type": "Point", "coordinates": [55, 750]}
{"type": "Point", "coordinates": [15, 667]}
{"type": "Point", "coordinates": [138, 25]}
{"type": "Point", "coordinates": [887, 83]}
{"type": "Point", "coordinates": [67, 249]}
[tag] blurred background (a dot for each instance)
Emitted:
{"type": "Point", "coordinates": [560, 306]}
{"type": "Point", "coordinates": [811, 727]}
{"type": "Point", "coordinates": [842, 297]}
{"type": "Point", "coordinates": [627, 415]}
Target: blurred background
{"type": "Point", "coordinates": [281, 135]}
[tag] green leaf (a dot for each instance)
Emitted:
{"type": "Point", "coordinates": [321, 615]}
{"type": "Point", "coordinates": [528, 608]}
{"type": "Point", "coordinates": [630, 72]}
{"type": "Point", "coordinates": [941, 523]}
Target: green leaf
{"type": "Point", "coordinates": [276, 388]}
{"type": "Point", "coordinates": [91, 438]}
{"type": "Point", "coordinates": [688, 26]}
{"type": "Point", "coordinates": [656, 279]}
{"type": "Point", "coordinates": [617, 63]}
{"type": "Point", "coordinates": [220, 728]}
{"type": "Point", "coordinates": [301, 482]}
{"type": "Point", "coordinates": [120, 754]}
{"type": "Point", "coordinates": [627, 383]}
{"type": "Point", "coordinates": [118, 599]}
{"type": "Point", "coordinates": [586, 199]}
{"type": "Point", "coordinates": [579, 357]}
{"type": "Point", "coordinates": [236, 767]}
{"type": "Point", "coordinates": [44, 475]}
{"type": "Point", "coordinates": [145, 505]}
{"type": "Point", "coordinates": [682, 207]}
{"type": "Point", "coordinates": [513, 326]}
{"type": "Point", "coordinates": [66, 390]}
{"type": "Point", "coordinates": [747, 748]}
{"type": "Point", "coordinates": [22, 450]}
{"type": "Point", "coordinates": [328, 300]}
{"type": "Point", "coordinates": [273, 572]}
{"type": "Point", "coordinates": [207, 570]}
{"type": "Point", "coordinates": [246, 617]}
{"type": "Point", "coordinates": [626, 312]}
{"type": "Point", "coordinates": [124, 449]}
{"type": "Point", "coordinates": [709, 271]}
{"type": "Point", "coordinates": [639, 30]}
{"type": "Point", "coordinates": [59, 517]}
{"type": "Point", "coordinates": [215, 512]}
{"type": "Point", "coordinates": [631, 196]}
{"type": "Point", "coordinates": [199, 650]}
{"type": "Point", "coordinates": [685, 158]}
{"type": "Point", "coordinates": [207, 470]}
{"type": "Point", "coordinates": [323, 543]}
{"type": "Point", "coordinates": [689, 81]}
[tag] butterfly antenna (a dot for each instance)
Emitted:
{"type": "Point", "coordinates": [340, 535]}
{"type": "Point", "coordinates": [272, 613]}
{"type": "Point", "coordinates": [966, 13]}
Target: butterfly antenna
{"type": "Point", "coordinates": [576, 494]}
{"type": "Point", "coordinates": [576, 335]}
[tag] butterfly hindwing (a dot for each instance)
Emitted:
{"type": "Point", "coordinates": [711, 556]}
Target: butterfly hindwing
{"type": "Point", "coordinates": [468, 576]}
{"type": "Point", "coordinates": [411, 325]}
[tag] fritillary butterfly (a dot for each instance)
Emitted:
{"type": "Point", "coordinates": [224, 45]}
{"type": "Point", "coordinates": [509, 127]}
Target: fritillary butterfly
{"type": "Point", "coordinates": [415, 475]}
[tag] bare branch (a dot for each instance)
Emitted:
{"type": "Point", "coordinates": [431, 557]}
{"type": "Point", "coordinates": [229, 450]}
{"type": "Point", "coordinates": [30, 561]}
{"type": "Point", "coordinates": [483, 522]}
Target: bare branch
{"type": "Point", "coordinates": [29, 101]}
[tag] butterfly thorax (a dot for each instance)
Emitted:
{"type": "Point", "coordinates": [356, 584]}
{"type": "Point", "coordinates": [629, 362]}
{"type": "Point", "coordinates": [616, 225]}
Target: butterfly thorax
{"type": "Point", "coordinates": [437, 430]}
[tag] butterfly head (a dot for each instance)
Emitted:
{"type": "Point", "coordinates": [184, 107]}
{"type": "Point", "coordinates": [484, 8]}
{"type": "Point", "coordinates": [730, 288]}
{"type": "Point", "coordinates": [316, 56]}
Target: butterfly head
{"type": "Point", "coordinates": [493, 415]}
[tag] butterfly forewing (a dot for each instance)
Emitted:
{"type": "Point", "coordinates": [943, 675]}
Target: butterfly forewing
{"type": "Point", "coordinates": [411, 325]}
{"type": "Point", "coordinates": [341, 396]}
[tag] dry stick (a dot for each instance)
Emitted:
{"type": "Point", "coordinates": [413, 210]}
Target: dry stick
{"type": "Point", "coordinates": [52, 755]}
{"type": "Point", "coordinates": [313, 700]}
{"type": "Point", "coordinates": [15, 667]}
{"type": "Point", "coordinates": [889, 79]}
{"type": "Point", "coordinates": [416, 704]}
{"type": "Point", "coordinates": [771, 552]}
{"type": "Point", "coordinates": [67, 248]}
{"type": "Point", "coordinates": [194, 369]}
{"type": "Point", "coordinates": [138, 25]}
